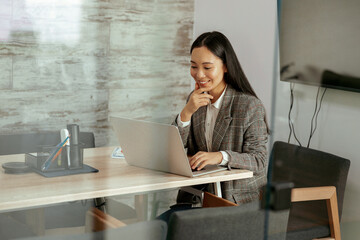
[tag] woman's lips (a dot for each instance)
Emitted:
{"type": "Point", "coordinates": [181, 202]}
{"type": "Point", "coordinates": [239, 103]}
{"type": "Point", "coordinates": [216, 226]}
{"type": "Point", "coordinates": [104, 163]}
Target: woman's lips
{"type": "Point", "coordinates": [203, 82]}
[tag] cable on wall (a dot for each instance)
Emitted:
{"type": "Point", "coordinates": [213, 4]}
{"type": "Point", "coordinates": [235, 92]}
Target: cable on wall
{"type": "Point", "coordinates": [315, 115]}
{"type": "Point", "coordinates": [291, 124]}
{"type": "Point", "coordinates": [314, 118]}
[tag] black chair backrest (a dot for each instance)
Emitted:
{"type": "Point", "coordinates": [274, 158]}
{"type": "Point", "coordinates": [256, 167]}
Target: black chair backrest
{"type": "Point", "coordinates": [307, 167]}
{"type": "Point", "coordinates": [246, 221]}
{"type": "Point", "coordinates": [30, 142]}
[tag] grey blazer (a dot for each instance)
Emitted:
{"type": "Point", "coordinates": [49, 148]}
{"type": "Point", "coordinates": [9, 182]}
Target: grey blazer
{"type": "Point", "coordinates": [241, 131]}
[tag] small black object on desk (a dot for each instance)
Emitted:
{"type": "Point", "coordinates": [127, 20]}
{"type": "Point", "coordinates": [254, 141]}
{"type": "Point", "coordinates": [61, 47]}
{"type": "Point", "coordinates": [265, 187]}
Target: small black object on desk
{"type": "Point", "coordinates": [16, 167]}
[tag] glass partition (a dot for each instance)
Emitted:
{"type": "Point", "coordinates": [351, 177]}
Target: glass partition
{"type": "Point", "coordinates": [74, 64]}
{"type": "Point", "coordinates": [66, 67]}
{"type": "Point", "coordinates": [315, 112]}
{"type": "Point", "coordinates": [66, 63]}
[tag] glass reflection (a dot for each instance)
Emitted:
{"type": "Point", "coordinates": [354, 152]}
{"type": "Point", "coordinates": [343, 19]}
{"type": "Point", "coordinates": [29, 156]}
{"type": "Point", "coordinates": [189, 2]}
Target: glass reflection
{"type": "Point", "coordinates": [65, 62]}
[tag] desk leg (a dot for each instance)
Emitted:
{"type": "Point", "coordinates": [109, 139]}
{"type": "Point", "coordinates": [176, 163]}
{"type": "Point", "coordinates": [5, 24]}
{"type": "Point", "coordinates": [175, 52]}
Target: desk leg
{"type": "Point", "coordinates": [217, 189]}
{"type": "Point", "coordinates": [35, 218]}
{"type": "Point", "coordinates": [141, 207]}
{"type": "Point", "coordinates": [100, 204]}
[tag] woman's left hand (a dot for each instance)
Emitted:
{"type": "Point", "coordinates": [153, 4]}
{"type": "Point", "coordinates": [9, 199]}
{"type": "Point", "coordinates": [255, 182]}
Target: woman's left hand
{"type": "Point", "coordinates": [201, 159]}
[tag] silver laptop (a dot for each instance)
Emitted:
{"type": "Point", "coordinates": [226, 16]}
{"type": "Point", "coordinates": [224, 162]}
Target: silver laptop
{"type": "Point", "coordinates": [155, 146]}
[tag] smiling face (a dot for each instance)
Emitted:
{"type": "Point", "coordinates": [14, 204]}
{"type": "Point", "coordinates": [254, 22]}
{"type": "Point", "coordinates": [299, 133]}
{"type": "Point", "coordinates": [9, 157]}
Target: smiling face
{"type": "Point", "coordinates": [208, 70]}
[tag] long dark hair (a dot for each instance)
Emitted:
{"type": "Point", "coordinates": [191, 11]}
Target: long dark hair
{"type": "Point", "coordinates": [221, 47]}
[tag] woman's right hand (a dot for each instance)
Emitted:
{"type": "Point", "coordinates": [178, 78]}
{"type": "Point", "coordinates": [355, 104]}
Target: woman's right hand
{"type": "Point", "coordinates": [197, 99]}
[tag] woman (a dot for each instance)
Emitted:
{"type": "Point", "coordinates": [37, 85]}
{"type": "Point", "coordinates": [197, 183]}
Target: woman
{"type": "Point", "coordinates": [223, 121]}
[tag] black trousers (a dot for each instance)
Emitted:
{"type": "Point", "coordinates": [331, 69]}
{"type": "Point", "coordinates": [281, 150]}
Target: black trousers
{"type": "Point", "coordinates": [184, 201]}
{"type": "Point", "coordinates": [189, 198]}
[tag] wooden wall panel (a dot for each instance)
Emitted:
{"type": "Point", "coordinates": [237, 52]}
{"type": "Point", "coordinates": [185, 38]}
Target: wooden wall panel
{"type": "Point", "coordinates": [53, 38]}
{"type": "Point", "coordinates": [81, 61]}
{"type": "Point", "coordinates": [5, 72]}
{"type": "Point", "coordinates": [38, 110]}
{"type": "Point", "coordinates": [149, 72]}
{"type": "Point", "coordinates": [145, 103]}
{"type": "Point", "coordinates": [59, 73]}
{"type": "Point", "coordinates": [66, 10]}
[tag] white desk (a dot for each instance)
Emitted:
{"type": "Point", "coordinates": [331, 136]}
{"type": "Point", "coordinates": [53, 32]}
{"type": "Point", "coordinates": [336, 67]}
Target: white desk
{"type": "Point", "coordinates": [115, 177]}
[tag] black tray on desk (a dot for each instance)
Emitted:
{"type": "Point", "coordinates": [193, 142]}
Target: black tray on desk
{"type": "Point", "coordinates": [65, 172]}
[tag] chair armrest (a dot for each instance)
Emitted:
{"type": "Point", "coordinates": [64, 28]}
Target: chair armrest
{"type": "Point", "coordinates": [97, 220]}
{"type": "Point", "coordinates": [321, 193]}
{"type": "Point", "coordinates": [211, 200]}
{"type": "Point", "coordinates": [312, 193]}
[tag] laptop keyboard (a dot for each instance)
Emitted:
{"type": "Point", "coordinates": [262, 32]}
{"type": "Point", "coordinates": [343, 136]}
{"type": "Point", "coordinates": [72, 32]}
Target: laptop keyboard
{"type": "Point", "coordinates": [208, 168]}
{"type": "Point", "coordinates": [195, 170]}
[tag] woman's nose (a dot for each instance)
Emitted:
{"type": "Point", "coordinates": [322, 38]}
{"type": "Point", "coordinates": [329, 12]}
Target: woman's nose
{"type": "Point", "coordinates": [200, 74]}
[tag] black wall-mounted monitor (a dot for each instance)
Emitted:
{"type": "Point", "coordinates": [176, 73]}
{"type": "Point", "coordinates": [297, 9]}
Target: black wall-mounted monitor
{"type": "Point", "coordinates": [319, 42]}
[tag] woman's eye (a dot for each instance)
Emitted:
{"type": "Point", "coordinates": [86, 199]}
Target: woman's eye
{"type": "Point", "coordinates": [207, 68]}
{"type": "Point", "coordinates": [193, 67]}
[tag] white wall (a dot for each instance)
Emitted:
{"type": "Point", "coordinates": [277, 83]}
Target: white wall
{"type": "Point", "coordinates": [330, 43]}
{"type": "Point", "coordinates": [250, 26]}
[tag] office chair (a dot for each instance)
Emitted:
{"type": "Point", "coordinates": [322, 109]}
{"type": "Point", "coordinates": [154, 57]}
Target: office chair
{"type": "Point", "coordinates": [11, 228]}
{"type": "Point", "coordinates": [97, 220]}
{"type": "Point", "coordinates": [149, 230]}
{"type": "Point", "coordinates": [317, 176]}
{"type": "Point", "coordinates": [102, 224]}
{"type": "Point", "coordinates": [57, 216]}
{"type": "Point", "coordinates": [218, 219]}
{"type": "Point", "coordinates": [246, 221]}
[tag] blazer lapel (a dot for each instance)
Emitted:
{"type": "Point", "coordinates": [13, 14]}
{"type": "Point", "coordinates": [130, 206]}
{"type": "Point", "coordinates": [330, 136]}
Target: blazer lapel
{"type": "Point", "coordinates": [199, 128]}
{"type": "Point", "coordinates": [223, 119]}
